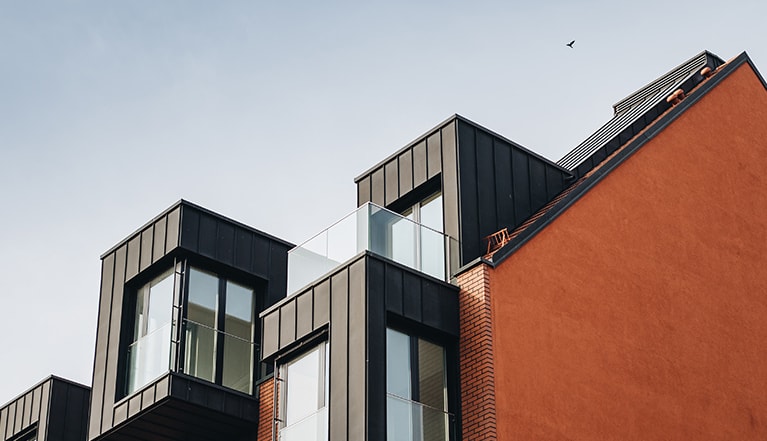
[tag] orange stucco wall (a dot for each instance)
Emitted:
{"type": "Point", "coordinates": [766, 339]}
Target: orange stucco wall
{"type": "Point", "coordinates": [641, 312]}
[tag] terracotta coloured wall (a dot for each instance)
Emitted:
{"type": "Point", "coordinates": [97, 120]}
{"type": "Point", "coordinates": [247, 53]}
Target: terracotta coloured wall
{"type": "Point", "coordinates": [641, 312]}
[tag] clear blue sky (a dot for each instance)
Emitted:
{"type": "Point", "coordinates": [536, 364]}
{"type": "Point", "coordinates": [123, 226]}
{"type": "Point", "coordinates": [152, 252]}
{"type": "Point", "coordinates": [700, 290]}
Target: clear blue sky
{"type": "Point", "coordinates": [110, 111]}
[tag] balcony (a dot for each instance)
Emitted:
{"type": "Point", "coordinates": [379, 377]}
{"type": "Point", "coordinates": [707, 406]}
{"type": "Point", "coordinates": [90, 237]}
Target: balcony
{"type": "Point", "coordinates": [380, 231]}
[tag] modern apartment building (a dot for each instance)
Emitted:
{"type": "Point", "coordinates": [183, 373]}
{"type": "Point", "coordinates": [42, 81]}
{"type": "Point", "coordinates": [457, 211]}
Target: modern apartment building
{"type": "Point", "coordinates": [479, 292]}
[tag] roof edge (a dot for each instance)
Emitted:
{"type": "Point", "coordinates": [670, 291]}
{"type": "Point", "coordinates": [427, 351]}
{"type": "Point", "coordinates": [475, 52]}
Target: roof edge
{"type": "Point", "coordinates": [600, 173]}
{"type": "Point", "coordinates": [184, 202]}
{"type": "Point", "coordinates": [457, 117]}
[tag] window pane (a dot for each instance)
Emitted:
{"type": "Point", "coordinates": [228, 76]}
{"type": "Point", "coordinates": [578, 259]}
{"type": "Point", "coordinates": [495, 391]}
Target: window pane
{"type": "Point", "coordinates": [398, 364]}
{"type": "Point", "coordinates": [238, 364]}
{"type": "Point", "coordinates": [149, 353]}
{"type": "Point", "coordinates": [239, 311]}
{"type": "Point", "coordinates": [200, 351]}
{"type": "Point", "coordinates": [431, 213]}
{"type": "Point", "coordinates": [160, 302]}
{"type": "Point", "coordinates": [203, 298]}
{"type": "Point", "coordinates": [238, 347]}
{"type": "Point", "coordinates": [302, 382]}
{"type": "Point", "coordinates": [432, 384]}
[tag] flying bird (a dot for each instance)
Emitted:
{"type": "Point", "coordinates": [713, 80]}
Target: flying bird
{"type": "Point", "coordinates": [570, 44]}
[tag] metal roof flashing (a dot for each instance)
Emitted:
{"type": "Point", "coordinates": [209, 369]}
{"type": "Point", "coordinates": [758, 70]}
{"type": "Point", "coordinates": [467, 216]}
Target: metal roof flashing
{"type": "Point", "coordinates": [592, 178]}
{"type": "Point", "coordinates": [637, 111]}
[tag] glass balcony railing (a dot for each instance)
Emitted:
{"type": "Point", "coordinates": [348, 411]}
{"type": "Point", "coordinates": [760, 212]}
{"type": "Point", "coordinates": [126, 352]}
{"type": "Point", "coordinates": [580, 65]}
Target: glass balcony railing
{"type": "Point", "coordinates": [380, 231]}
{"type": "Point", "coordinates": [149, 358]}
{"type": "Point", "coordinates": [312, 428]}
{"type": "Point", "coordinates": [408, 420]}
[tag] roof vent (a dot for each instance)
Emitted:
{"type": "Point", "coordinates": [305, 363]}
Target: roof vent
{"type": "Point", "coordinates": [706, 72]}
{"type": "Point", "coordinates": [675, 97]}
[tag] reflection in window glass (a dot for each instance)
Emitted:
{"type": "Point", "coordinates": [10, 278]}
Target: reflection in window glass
{"type": "Point", "coordinates": [416, 386]}
{"type": "Point", "coordinates": [202, 310]}
{"type": "Point", "coordinates": [304, 408]}
{"type": "Point", "coordinates": [149, 351]}
{"type": "Point", "coordinates": [238, 346]}
{"type": "Point", "coordinates": [220, 319]}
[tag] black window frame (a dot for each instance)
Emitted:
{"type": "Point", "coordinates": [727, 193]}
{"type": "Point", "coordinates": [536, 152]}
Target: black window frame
{"type": "Point", "coordinates": [223, 277]}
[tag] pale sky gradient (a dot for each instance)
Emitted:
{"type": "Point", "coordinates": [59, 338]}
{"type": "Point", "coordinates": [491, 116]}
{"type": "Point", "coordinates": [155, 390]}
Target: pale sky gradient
{"type": "Point", "coordinates": [111, 111]}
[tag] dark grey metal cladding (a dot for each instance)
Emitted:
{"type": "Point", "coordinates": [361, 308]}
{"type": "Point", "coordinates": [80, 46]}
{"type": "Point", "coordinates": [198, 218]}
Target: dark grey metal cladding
{"type": "Point", "coordinates": [501, 183]}
{"type": "Point", "coordinates": [56, 408]}
{"type": "Point", "coordinates": [355, 304]}
{"type": "Point", "coordinates": [177, 407]}
{"type": "Point", "coordinates": [487, 182]}
{"type": "Point", "coordinates": [182, 231]}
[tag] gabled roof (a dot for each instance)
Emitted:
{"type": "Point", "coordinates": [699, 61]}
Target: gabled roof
{"type": "Point", "coordinates": [635, 112]}
{"type": "Point", "coordinates": [595, 174]}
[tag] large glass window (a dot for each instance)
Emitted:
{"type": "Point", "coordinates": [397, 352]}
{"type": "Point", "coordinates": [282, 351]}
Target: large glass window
{"type": "Point", "coordinates": [149, 349]}
{"type": "Point", "coordinates": [304, 397]}
{"type": "Point", "coordinates": [416, 389]}
{"type": "Point", "coordinates": [219, 336]}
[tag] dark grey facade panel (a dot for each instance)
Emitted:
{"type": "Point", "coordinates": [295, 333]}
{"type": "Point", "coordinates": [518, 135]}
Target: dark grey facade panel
{"type": "Point", "coordinates": [270, 326]}
{"type": "Point", "coordinates": [379, 292]}
{"type": "Point", "coordinates": [287, 323]}
{"type": "Point", "coordinates": [503, 187]}
{"type": "Point", "coordinates": [363, 191]}
{"type": "Point", "coordinates": [158, 239]}
{"type": "Point", "coordinates": [304, 314]}
{"type": "Point", "coordinates": [113, 339]}
{"type": "Point", "coordinates": [469, 182]}
{"type": "Point", "coordinates": [405, 172]}
{"type": "Point", "coordinates": [321, 304]}
{"type": "Point", "coordinates": [538, 194]}
{"type": "Point", "coordinates": [42, 422]}
{"type": "Point", "coordinates": [57, 409]}
{"type": "Point", "coordinates": [262, 256]}
{"type": "Point", "coordinates": [243, 250]}
{"type": "Point", "coordinates": [433, 155]}
{"type": "Point", "coordinates": [486, 196]}
{"type": "Point", "coordinates": [172, 231]}
{"type": "Point", "coordinates": [207, 236]}
{"type": "Point", "coordinates": [450, 188]}
{"type": "Point", "coordinates": [377, 192]}
{"type": "Point", "coordinates": [225, 243]}
{"type": "Point", "coordinates": [134, 254]}
{"type": "Point", "coordinates": [357, 375]}
{"type": "Point", "coordinates": [3, 421]}
{"type": "Point", "coordinates": [391, 179]}
{"type": "Point", "coordinates": [190, 227]}
{"type": "Point", "coordinates": [339, 353]}
{"type": "Point", "coordinates": [145, 258]}
{"type": "Point", "coordinates": [419, 164]}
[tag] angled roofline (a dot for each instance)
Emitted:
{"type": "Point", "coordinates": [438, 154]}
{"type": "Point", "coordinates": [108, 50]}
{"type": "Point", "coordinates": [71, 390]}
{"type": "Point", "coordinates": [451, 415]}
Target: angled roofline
{"type": "Point", "coordinates": [636, 112]}
{"type": "Point", "coordinates": [51, 377]}
{"type": "Point", "coordinates": [456, 117]}
{"type": "Point", "coordinates": [655, 84]}
{"type": "Point", "coordinates": [620, 156]}
{"type": "Point", "coordinates": [183, 202]}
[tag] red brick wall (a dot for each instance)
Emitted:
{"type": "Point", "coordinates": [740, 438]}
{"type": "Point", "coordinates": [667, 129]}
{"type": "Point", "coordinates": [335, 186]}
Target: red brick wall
{"type": "Point", "coordinates": [640, 313]}
{"type": "Point", "coordinates": [476, 347]}
{"type": "Point", "coordinates": [265, 410]}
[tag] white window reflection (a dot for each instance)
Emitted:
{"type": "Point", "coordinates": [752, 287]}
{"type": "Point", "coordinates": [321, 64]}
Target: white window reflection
{"type": "Point", "coordinates": [304, 392]}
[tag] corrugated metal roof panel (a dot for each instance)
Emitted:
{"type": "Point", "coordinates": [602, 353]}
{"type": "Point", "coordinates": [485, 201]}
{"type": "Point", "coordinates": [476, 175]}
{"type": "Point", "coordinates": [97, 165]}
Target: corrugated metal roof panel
{"type": "Point", "coordinates": [638, 106]}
